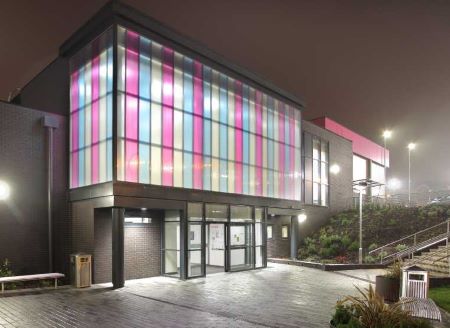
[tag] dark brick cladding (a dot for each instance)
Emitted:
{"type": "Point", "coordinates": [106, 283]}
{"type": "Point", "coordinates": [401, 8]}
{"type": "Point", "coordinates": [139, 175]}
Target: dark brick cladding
{"type": "Point", "coordinates": [143, 249]}
{"type": "Point", "coordinates": [23, 164]}
{"type": "Point", "coordinates": [278, 246]}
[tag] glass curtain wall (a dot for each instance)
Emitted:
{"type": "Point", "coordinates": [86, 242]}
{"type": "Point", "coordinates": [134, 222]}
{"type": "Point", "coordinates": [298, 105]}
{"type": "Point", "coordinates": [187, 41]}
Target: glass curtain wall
{"type": "Point", "coordinates": [171, 243]}
{"type": "Point", "coordinates": [184, 124]}
{"type": "Point", "coordinates": [91, 113]}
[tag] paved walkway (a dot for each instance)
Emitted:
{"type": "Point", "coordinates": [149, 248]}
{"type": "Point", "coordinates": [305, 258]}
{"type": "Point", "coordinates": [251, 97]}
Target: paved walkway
{"type": "Point", "coordinates": [279, 296]}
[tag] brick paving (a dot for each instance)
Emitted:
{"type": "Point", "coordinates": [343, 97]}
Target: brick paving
{"type": "Point", "coordinates": [279, 296]}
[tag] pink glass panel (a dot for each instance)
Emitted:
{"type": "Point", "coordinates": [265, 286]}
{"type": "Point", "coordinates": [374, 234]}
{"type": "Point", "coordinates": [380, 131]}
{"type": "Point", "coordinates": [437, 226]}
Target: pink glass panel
{"type": "Point", "coordinates": [238, 137]}
{"type": "Point", "coordinates": [74, 97]}
{"type": "Point", "coordinates": [131, 146]}
{"type": "Point", "coordinates": [198, 125]}
{"type": "Point", "coordinates": [167, 178]}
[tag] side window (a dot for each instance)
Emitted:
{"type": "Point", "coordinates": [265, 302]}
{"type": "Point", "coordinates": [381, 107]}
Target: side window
{"type": "Point", "coordinates": [269, 231]}
{"type": "Point", "coordinates": [284, 231]}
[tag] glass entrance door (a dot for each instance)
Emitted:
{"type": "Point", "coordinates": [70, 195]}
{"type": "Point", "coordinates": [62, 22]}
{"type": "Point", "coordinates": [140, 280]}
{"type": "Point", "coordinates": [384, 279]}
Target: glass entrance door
{"type": "Point", "coordinates": [241, 232]}
{"type": "Point", "coordinates": [215, 247]}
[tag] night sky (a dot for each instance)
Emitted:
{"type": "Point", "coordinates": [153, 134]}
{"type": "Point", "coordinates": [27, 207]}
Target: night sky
{"type": "Point", "coordinates": [366, 64]}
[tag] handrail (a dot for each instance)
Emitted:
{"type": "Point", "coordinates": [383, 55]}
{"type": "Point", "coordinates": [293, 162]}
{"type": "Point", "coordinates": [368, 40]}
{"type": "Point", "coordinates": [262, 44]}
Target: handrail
{"type": "Point", "coordinates": [431, 255]}
{"type": "Point", "coordinates": [417, 247]}
{"type": "Point", "coordinates": [412, 235]}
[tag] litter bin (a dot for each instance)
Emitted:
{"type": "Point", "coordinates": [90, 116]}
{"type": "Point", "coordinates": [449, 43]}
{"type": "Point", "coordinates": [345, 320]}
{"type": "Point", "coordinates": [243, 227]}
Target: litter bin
{"type": "Point", "coordinates": [415, 282]}
{"type": "Point", "coordinates": [81, 270]}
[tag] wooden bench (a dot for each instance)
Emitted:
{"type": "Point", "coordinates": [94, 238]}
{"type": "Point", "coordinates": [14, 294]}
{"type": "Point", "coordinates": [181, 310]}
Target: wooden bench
{"type": "Point", "coordinates": [31, 277]}
{"type": "Point", "coordinates": [421, 308]}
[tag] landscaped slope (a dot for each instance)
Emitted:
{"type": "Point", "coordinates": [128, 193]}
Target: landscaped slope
{"type": "Point", "coordinates": [338, 241]}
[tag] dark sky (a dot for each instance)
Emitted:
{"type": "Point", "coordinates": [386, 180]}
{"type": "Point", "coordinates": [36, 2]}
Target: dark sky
{"type": "Point", "coordinates": [367, 64]}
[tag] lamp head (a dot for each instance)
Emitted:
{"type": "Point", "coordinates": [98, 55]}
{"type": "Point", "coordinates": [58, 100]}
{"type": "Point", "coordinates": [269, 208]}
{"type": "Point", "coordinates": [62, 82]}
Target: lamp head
{"type": "Point", "coordinates": [387, 134]}
{"type": "Point", "coordinates": [301, 217]}
{"type": "Point", "coordinates": [411, 146]}
{"type": "Point", "coordinates": [4, 190]}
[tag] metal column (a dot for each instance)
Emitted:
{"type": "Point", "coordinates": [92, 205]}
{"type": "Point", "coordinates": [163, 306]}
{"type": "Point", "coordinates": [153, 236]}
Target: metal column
{"type": "Point", "coordinates": [294, 237]}
{"type": "Point", "coordinates": [118, 277]}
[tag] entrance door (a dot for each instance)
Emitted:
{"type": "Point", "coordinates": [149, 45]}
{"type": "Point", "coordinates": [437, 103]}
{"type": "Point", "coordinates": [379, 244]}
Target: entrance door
{"type": "Point", "coordinates": [241, 246]}
{"type": "Point", "coordinates": [215, 247]}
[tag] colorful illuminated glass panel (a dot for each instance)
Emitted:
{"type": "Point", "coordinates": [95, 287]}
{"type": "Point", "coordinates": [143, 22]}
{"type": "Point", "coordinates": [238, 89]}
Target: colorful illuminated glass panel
{"type": "Point", "coordinates": [184, 124]}
{"type": "Point", "coordinates": [91, 85]}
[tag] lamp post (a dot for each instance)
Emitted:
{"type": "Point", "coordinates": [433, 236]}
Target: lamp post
{"type": "Point", "coordinates": [411, 147]}
{"type": "Point", "coordinates": [387, 134]}
{"type": "Point", "coordinates": [361, 186]}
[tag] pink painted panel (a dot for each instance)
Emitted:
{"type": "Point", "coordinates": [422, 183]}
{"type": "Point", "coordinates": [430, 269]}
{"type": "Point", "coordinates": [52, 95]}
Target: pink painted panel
{"type": "Point", "coordinates": [167, 128]}
{"type": "Point", "coordinates": [360, 144]}
{"type": "Point", "coordinates": [167, 176]}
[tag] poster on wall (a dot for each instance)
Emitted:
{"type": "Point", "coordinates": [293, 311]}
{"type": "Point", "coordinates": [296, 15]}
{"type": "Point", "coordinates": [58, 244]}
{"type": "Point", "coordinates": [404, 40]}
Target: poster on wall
{"type": "Point", "coordinates": [217, 236]}
{"type": "Point", "coordinates": [237, 235]}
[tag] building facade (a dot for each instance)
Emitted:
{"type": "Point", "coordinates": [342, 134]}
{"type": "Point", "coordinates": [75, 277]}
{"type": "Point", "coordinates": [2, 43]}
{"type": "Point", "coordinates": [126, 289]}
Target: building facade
{"type": "Point", "coordinates": [176, 162]}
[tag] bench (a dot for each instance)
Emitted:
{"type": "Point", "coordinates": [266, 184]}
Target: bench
{"type": "Point", "coordinates": [421, 308]}
{"type": "Point", "coordinates": [31, 277]}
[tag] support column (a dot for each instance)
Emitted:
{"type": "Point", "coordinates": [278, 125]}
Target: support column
{"type": "Point", "coordinates": [118, 277]}
{"type": "Point", "coordinates": [183, 243]}
{"type": "Point", "coordinates": [294, 237]}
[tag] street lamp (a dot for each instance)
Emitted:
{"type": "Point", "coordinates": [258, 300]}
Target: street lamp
{"type": "Point", "coordinates": [387, 134]}
{"type": "Point", "coordinates": [411, 147]}
{"type": "Point", "coordinates": [4, 190]}
{"type": "Point", "coordinates": [301, 217]}
{"type": "Point", "coordinates": [335, 169]}
{"type": "Point", "coordinates": [360, 187]}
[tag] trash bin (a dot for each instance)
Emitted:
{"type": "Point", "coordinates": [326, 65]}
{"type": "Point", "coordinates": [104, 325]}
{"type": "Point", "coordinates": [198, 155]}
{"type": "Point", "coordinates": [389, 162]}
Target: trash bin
{"type": "Point", "coordinates": [415, 282]}
{"type": "Point", "coordinates": [81, 270]}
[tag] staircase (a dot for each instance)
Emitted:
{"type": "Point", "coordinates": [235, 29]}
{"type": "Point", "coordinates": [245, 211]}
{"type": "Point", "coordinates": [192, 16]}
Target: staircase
{"type": "Point", "coordinates": [425, 243]}
{"type": "Point", "coordinates": [436, 261]}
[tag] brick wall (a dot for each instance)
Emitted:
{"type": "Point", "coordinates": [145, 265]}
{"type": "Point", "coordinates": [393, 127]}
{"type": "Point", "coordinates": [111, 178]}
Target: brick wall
{"type": "Point", "coordinates": [143, 249]}
{"type": "Point", "coordinates": [278, 246]}
{"type": "Point", "coordinates": [102, 259]}
{"type": "Point", "coordinates": [23, 165]}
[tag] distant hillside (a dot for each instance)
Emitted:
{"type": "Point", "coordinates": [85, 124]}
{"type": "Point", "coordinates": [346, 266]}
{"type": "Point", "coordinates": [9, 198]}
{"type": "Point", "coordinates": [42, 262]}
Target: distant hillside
{"type": "Point", "coordinates": [338, 241]}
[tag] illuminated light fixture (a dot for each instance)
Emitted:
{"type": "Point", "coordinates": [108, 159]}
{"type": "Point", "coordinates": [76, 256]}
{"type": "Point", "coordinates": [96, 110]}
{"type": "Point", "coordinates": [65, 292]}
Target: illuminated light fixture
{"type": "Point", "coordinates": [394, 184]}
{"type": "Point", "coordinates": [335, 169]}
{"type": "Point", "coordinates": [411, 146]}
{"type": "Point", "coordinates": [387, 134]}
{"type": "Point", "coordinates": [143, 209]}
{"type": "Point", "coordinates": [4, 190]}
{"type": "Point", "coordinates": [301, 217]}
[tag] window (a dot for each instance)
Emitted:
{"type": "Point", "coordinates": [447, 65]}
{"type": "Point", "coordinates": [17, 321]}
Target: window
{"type": "Point", "coordinates": [284, 231]}
{"type": "Point", "coordinates": [269, 231]}
{"type": "Point", "coordinates": [315, 170]}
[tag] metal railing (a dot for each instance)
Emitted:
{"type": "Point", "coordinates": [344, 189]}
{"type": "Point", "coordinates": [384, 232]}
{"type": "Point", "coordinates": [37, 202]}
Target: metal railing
{"type": "Point", "coordinates": [418, 241]}
{"type": "Point", "coordinates": [433, 255]}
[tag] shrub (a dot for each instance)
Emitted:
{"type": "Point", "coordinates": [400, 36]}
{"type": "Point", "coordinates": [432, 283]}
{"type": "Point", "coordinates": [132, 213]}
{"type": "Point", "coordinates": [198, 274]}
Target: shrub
{"type": "Point", "coordinates": [395, 270]}
{"type": "Point", "coordinates": [341, 259]}
{"type": "Point", "coordinates": [5, 270]}
{"type": "Point", "coordinates": [400, 247]}
{"type": "Point", "coordinates": [346, 241]}
{"type": "Point", "coordinates": [354, 246]}
{"type": "Point", "coordinates": [372, 247]}
{"type": "Point", "coordinates": [370, 259]}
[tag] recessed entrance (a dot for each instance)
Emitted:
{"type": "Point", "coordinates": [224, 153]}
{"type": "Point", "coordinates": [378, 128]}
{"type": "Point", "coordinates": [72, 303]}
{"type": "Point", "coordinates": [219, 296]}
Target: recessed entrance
{"type": "Point", "coordinates": [215, 247]}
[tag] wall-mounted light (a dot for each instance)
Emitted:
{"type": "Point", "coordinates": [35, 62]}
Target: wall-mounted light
{"type": "Point", "coordinates": [335, 169]}
{"type": "Point", "coordinates": [301, 217]}
{"type": "Point", "coordinates": [4, 190]}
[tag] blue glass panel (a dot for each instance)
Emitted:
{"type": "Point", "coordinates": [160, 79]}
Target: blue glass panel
{"type": "Point", "coordinates": [246, 147]}
{"type": "Point", "coordinates": [144, 121]}
{"type": "Point", "coordinates": [188, 131]}
{"type": "Point", "coordinates": [206, 92]}
{"type": "Point", "coordinates": [144, 69]}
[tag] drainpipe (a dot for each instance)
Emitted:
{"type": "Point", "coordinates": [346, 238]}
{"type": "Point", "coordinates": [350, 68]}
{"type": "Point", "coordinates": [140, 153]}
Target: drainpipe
{"type": "Point", "coordinates": [50, 123]}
